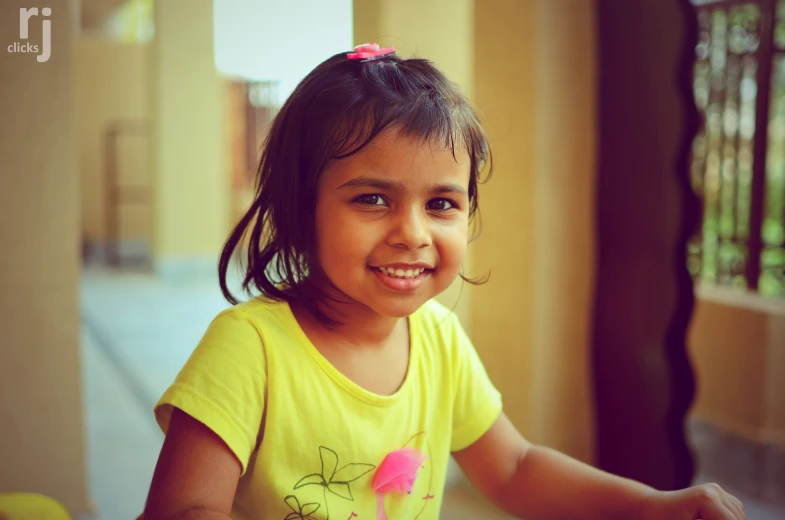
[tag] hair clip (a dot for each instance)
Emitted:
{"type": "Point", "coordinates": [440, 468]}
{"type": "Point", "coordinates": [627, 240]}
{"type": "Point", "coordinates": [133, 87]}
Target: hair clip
{"type": "Point", "coordinates": [370, 52]}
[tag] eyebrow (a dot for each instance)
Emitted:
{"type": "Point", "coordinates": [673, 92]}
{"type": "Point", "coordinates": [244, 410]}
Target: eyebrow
{"type": "Point", "coordinates": [382, 184]}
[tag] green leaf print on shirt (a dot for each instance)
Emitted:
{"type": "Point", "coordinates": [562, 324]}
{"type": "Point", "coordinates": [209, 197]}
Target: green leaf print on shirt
{"type": "Point", "coordinates": [332, 480]}
{"type": "Point", "coordinates": [300, 512]}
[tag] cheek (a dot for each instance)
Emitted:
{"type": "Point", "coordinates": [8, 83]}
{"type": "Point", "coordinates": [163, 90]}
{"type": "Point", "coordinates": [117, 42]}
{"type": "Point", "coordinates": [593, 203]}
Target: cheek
{"type": "Point", "coordinates": [452, 245]}
{"type": "Point", "coordinates": [340, 239]}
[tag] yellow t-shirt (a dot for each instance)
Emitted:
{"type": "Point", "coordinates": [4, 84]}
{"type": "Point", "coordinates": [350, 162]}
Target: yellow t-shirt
{"type": "Point", "coordinates": [308, 438]}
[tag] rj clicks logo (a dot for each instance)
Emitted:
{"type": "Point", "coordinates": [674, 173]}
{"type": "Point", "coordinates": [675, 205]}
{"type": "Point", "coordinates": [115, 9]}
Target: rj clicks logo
{"type": "Point", "coordinates": [46, 34]}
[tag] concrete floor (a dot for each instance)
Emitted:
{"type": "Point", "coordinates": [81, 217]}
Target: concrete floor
{"type": "Point", "coordinates": [138, 331]}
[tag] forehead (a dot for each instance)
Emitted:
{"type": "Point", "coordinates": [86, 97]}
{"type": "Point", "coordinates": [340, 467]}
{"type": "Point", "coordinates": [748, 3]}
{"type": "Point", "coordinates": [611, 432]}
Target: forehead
{"type": "Point", "coordinates": [408, 158]}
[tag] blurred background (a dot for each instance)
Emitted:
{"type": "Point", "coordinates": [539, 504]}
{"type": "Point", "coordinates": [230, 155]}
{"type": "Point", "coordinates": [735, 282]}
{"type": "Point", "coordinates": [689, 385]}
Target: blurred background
{"type": "Point", "coordinates": [633, 226]}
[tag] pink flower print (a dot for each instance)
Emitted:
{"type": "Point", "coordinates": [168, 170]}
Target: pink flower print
{"type": "Point", "coordinates": [396, 473]}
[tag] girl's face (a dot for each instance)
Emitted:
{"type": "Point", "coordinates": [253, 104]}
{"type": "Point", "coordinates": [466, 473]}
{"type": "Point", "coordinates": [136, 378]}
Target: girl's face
{"type": "Point", "coordinates": [392, 223]}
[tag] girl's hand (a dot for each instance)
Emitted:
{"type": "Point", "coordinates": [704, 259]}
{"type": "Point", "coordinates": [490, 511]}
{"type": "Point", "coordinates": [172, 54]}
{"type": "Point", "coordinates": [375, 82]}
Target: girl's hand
{"type": "Point", "coordinates": [705, 502]}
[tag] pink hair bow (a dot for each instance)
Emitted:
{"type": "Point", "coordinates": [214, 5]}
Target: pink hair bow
{"type": "Point", "coordinates": [368, 51]}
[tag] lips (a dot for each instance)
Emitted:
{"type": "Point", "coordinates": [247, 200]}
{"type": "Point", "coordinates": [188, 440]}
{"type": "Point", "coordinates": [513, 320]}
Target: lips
{"type": "Point", "coordinates": [402, 283]}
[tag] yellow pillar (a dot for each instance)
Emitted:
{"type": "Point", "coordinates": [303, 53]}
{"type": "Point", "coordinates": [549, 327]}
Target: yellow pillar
{"type": "Point", "coordinates": [191, 184]}
{"type": "Point", "coordinates": [41, 419]}
{"type": "Point", "coordinates": [534, 86]}
{"type": "Point", "coordinates": [503, 309]}
{"type": "Point", "coordinates": [564, 226]}
{"type": "Point", "coordinates": [409, 26]}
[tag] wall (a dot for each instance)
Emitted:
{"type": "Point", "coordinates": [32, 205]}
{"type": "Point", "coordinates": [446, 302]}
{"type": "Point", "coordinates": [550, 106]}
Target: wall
{"type": "Point", "coordinates": [41, 417]}
{"type": "Point", "coordinates": [738, 347]}
{"type": "Point", "coordinates": [110, 83]}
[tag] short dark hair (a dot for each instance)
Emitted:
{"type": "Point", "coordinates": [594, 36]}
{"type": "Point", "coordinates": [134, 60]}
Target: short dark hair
{"type": "Point", "coordinates": [337, 110]}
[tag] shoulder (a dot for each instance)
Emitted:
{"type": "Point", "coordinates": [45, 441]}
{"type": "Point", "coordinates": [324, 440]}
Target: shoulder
{"type": "Point", "coordinates": [257, 314]}
{"type": "Point", "coordinates": [245, 329]}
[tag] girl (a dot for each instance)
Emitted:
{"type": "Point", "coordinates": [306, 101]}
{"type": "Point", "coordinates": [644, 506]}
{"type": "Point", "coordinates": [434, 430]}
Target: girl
{"type": "Point", "coordinates": [341, 391]}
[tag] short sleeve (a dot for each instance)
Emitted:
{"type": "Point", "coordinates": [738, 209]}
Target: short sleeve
{"type": "Point", "coordinates": [222, 385]}
{"type": "Point", "coordinates": [477, 402]}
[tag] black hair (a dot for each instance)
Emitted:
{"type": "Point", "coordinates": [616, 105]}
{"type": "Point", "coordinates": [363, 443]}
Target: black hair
{"type": "Point", "coordinates": [337, 110]}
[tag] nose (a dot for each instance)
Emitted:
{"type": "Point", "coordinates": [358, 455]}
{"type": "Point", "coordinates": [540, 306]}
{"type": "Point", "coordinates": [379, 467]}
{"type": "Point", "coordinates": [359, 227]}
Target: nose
{"type": "Point", "coordinates": [410, 230]}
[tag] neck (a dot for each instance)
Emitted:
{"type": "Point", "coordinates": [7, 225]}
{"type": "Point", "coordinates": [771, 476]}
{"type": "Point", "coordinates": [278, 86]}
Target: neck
{"type": "Point", "coordinates": [356, 325]}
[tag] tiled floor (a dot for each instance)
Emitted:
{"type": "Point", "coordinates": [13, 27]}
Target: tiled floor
{"type": "Point", "coordinates": [138, 331]}
{"type": "Point", "coordinates": [123, 442]}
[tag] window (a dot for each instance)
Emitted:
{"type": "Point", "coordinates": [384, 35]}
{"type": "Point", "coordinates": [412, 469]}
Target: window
{"type": "Point", "coordinates": [738, 156]}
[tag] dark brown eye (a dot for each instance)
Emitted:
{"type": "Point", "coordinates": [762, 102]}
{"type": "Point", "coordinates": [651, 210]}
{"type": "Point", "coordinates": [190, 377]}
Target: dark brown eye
{"type": "Point", "coordinates": [441, 205]}
{"type": "Point", "coordinates": [370, 200]}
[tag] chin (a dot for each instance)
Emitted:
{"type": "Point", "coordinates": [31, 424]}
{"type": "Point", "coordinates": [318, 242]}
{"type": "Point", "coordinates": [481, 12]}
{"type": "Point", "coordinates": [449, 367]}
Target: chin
{"type": "Point", "coordinates": [398, 311]}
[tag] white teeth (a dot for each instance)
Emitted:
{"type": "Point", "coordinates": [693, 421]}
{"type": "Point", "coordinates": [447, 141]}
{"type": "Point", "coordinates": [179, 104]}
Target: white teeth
{"type": "Point", "coordinates": [400, 273]}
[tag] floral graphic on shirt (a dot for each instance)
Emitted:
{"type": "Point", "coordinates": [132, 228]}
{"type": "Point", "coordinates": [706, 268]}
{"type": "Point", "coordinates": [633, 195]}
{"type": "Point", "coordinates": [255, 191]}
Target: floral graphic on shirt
{"type": "Point", "coordinates": [396, 474]}
{"type": "Point", "coordinates": [398, 471]}
{"type": "Point", "coordinates": [428, 495]}
{"type": "Point", "coordinates": [333, 479]}
{"type": "Point", "coordinates": [300, 512]}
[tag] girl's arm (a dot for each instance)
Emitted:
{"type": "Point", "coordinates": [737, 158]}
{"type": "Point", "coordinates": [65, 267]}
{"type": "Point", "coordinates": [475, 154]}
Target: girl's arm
{"type": "Point", "coordinates": [538, 483]}
{"type": "Point", "coordinates": [196, 476]}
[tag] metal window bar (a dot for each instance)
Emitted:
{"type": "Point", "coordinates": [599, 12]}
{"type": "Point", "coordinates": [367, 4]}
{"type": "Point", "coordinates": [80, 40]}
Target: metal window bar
{"type": "Point", "coordinates": [117, 195]}
{"type": "Point", "coordinates": [733, 64]}
{"type": "Point", "coordinates": [773, 224]}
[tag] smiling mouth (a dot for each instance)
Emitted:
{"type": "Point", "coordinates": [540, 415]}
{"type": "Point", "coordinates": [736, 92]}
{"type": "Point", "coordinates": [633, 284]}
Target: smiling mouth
{"type": "Point", "coordinates": [401, 273]}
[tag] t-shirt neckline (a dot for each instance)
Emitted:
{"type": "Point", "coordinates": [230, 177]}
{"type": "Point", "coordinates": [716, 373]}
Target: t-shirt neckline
{"type": "Point", "coordinates": [347, 384]}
